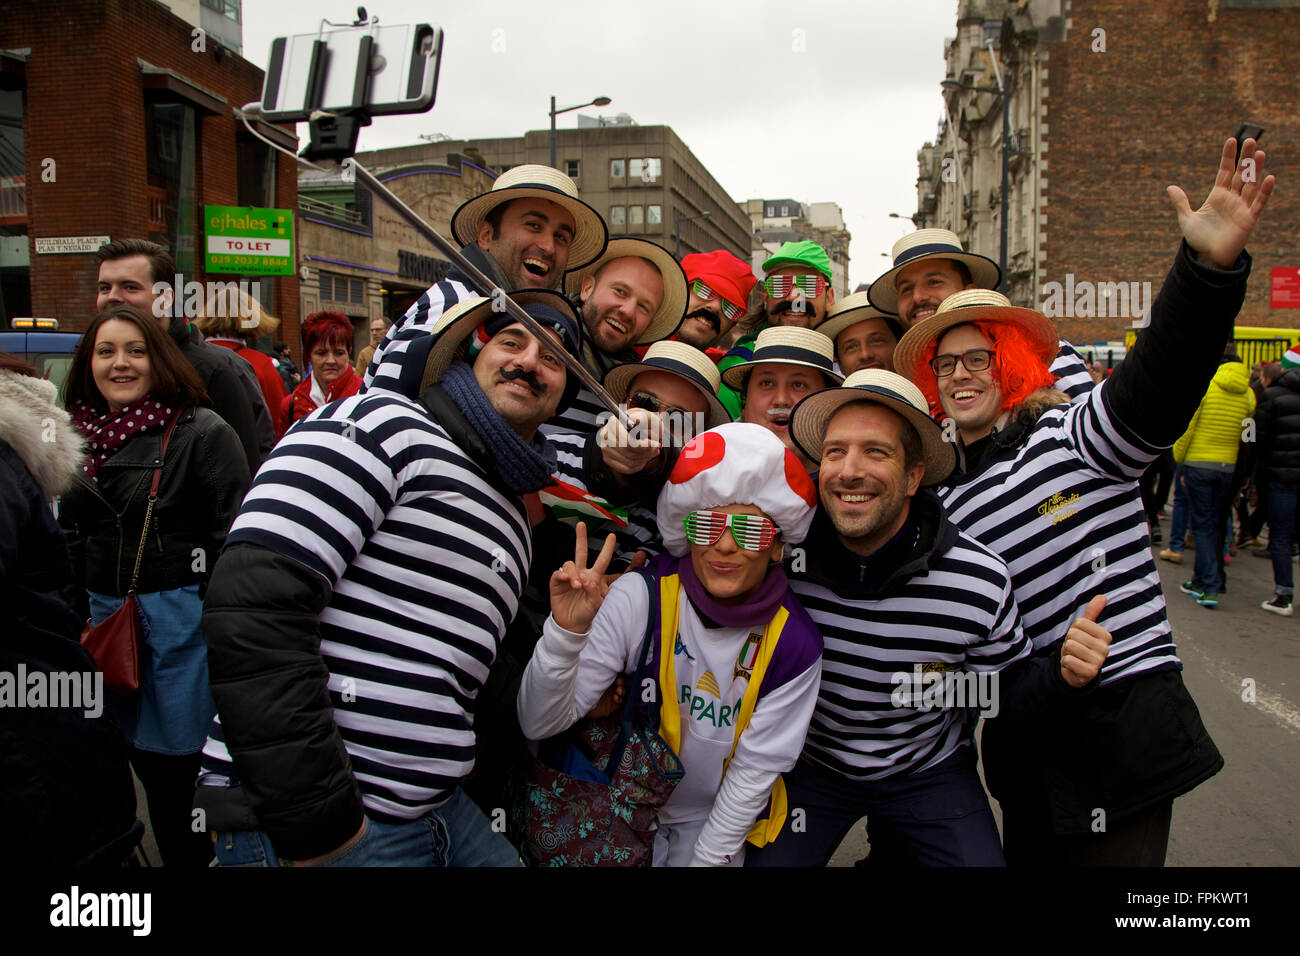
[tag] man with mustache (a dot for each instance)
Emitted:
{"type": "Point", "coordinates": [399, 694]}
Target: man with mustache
{"type": "Point", "coordinates": [797, 292]}
{"type": "Point", "coordinates": [788, 364]}
{"type": "Point", "coordinates": [365, 591]}
{"type": "Point", "coordinates": [525, 233]}
{"type": "Point", "coordinates": [634, 294]}
{"type": "Point", "coordinates": [930, 265]}
{"type": "Point", "coordinates": [720, 286]}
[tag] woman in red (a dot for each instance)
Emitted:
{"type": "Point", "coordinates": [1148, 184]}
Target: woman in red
{"type": "Point", "coordinates": [327, 341]}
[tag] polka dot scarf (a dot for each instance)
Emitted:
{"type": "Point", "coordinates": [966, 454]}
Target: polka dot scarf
{"type": "Point", "coordinates": [106, 432]}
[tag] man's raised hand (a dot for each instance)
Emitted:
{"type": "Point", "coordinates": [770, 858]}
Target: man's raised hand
{"type": "Point", "coordinates": [1219, 229]}
{"type": "Point", "coordinates": [1086, 646]}
{"type": "Point", "coordinates": [577, 590]}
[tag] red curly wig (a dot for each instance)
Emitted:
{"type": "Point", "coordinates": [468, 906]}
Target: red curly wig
{"type": "Point", "coordinates": [1019, 367]}
{"type": "Point", "coordinates": [334, 329]}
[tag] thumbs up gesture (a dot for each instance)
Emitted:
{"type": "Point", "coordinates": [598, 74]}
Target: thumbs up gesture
{"type": "Point", "coordinates": [1086, 646]}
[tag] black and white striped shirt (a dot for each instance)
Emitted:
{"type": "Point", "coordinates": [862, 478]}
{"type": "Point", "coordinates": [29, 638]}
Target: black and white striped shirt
{"type": "Point", "coordinates": [953, 612]}
{"type": "Point", "coordinates": [426, 560]}
{"type": "Point", "coordinates": [1071, 372]}
{"type": "Point", "coordinates": [417, 321]}
{"type": "Point", "coordinates": [586, 413]}
{"type": "Point", "coordinates": [1063, 509]}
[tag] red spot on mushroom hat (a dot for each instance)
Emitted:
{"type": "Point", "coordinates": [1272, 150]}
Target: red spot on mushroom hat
{"type": "Point", "coordinates": [736, 464]}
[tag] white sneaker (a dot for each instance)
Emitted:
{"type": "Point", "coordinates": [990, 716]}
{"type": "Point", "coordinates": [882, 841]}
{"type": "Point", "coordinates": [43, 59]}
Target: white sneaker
{"type": "Point", "coordinates": [1279, 605]}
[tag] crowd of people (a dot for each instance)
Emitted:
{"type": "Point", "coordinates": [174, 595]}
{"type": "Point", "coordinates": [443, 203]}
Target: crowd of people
{"type": "Point", "coordinates": [431, 604]}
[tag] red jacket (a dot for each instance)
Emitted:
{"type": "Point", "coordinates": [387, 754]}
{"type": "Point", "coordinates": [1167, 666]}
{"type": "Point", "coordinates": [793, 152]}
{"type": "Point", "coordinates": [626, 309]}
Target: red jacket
{"type": "Point", "coordinates": [300, 402]}
{"type": "Point", "coordinates": [268, 377]}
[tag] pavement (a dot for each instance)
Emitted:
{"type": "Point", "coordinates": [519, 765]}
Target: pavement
{"type": "Point", "coordinates": [1247, 814]}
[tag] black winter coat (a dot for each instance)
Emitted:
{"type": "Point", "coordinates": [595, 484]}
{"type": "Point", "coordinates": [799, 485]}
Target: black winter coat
{"type": "Point", "coordinates": [1277, 430]}
{"type": "Point", "coordinates": [233, 388]}
{"type": "Point", "coordinates": [65, 785]}
{"type": "Point", "coordinates": [204, 480]}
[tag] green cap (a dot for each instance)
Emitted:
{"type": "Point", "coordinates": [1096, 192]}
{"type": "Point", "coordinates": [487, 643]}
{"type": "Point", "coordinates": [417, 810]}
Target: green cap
{"type": "Point", "coordinates": [804, 253]}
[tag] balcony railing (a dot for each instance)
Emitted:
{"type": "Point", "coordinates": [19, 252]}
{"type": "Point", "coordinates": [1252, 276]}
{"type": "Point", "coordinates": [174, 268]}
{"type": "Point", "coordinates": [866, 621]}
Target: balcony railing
{"type": "Point", "coordinates": [338, 213]}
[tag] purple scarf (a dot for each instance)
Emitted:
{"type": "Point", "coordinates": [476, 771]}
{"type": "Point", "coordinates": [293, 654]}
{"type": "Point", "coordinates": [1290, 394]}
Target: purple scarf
{"type": "Point", "coordinates": [757, 610]}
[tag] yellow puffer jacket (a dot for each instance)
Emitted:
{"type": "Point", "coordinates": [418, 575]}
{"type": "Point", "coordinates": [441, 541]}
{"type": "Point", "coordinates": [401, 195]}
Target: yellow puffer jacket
{"type": "Point", "coordinates": [1216, 431]}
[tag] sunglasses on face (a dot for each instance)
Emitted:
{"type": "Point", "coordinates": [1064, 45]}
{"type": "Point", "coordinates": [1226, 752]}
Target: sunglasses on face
{"type": "Point", "coordinates": [975, 360]}
{"type": "Point", "coordinates": [751, 532]}
{"type": "Point", "coordinates": [677, 420]}
{"type": "Point", "coordinates": [701, 290]}
{"type": "Point", "coordinates": [810, 286]}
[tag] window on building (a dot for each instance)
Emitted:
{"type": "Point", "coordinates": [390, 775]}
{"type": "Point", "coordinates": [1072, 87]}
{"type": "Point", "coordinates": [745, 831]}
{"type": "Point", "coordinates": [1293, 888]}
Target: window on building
{"type": "Point", "coordinates": [634, 168]}
{"type": "Point", "coordinates": [617, 169]}
{"type": "Point", "coordinates": [571, 168]}
{"type": "Point", "coordinates": [654, 215]}
{"type": "Point", "coordinates": [227, 8]}
{"type": "Point", "coordinates": [634, 215]}
{"type": "Point", "coordinates": [342, 289]}
{"type": "Point", "coordinates": [617, 215]}
{"type": "Point", "coordinates": [785, 210]}
{"type": "Point", "coordinates": [13, 163]}
{"type": "Point", "coordinates": [644, 170]}
{"type": "Point", "coordinates": [170, 131]}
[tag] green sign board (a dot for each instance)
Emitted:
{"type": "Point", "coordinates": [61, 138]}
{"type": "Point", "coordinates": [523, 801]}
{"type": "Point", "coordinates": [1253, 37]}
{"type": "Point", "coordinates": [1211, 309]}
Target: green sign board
{"type": "Point", "coordinates": [249, 241]}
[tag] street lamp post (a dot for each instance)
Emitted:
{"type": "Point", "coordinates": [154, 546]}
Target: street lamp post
{"type": "Point", "coordinates": [677, 229]}
{"type": "Point", "coordinates": [912, 219]}
{"type": "Point", "coordinates": [598, 101]}
{"type": "Point", "coordinates": [1000, 89]}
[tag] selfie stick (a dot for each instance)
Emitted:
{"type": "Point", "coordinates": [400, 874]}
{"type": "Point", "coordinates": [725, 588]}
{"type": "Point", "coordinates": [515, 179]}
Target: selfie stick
{"type": "Point", "coordinates": [482, 284]}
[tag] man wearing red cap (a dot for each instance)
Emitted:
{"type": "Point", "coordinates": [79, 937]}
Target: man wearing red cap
{"type": "Point", "coordinates": [720, 286]}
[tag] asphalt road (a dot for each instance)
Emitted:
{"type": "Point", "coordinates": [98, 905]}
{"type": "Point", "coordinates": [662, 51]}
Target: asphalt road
{"type": "Point", "coordinates": [1247, 814]}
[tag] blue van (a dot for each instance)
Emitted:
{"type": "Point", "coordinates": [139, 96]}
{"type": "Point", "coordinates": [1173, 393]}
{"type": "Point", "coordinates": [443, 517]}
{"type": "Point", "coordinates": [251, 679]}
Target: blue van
{"type": "Point", "coordinates": [50, 351]}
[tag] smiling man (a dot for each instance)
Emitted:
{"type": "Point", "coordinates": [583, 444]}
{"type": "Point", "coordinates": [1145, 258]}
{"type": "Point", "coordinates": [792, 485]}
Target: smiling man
{"type": "Point", "coordinates": [899, 593]}
{"type": "Point", "coordinates": [364, 593]}
{"type": "Point", "coordinates": [1053, 488]}
{"type": "Point", "coordinates": [634, 294]}
{"type": "Point", "coordinates": [864, 336]}
{"type": "Point", "coordinates": [525, 233]}
{"type": "Point", "coordinates": [930, 265]}
{"type": "Point", "coordinates": [129, 272]}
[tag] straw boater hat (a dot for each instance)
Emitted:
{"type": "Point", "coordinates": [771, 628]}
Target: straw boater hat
{"type": "Point", "coordinates": [679, 359]}
{"type": "Point", "coordinates": [787, 345]}
{"type": "Point", "coordinates": [452, 333]}
{"type": "Point", "coordinates": [736, 464]}
{"type": "Point", "coordinates": [970, 305]}
{"type": "Point", "coordinates": [673, 306]}
{"type": "Point", "coordinates": [930, 244]}
{"type": "Point", "coordinates": [853, 309]}
{"type": "Point", "coordinates": [810, 417]}
{"type": "Point", "coordinates": [536, 182]}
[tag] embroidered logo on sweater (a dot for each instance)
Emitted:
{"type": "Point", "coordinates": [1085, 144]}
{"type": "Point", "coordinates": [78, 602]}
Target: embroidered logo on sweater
{"type": "Point", "coordinates": [680, 648]}
{"type": "Point", "coordinates": [1058, 507]}
{"type": "Point", "coordinates": [748, 654]}
{"type": "Point", "coordinates": [709, 684]}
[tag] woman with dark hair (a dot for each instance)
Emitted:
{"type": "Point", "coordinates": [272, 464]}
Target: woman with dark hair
{"type": "Point", "coordinates": [140, 405]}
{"type": "Point", "coordinates": [64, 765]}
{"type": "Point", "coordinates": [327, 344]}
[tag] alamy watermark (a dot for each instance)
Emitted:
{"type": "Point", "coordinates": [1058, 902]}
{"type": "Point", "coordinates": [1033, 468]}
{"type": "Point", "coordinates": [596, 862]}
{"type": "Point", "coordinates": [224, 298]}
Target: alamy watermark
{"type": "Point", "coordinates": [674, 430]}
{"type": "Point", "coordinates": [75, 690]}
{"type": "Point", "coordinates": [217, 300]}
{"type": "Point", "coordinates": [1084, 299]}
{"type": "Point", "coordinates": [934, 687]}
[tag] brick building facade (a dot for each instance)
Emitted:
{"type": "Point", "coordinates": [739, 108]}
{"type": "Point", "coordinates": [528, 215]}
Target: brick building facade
{"type": "Point", "coordinates": [1110, 102]}
{"type": "Point", "coordinates": [127, 130]}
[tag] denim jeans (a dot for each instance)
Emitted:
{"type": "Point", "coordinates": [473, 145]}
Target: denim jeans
{"type": "Point", "coordinates": [938, 817]}
{"type": "Point", "coordinates": [174, 708]}
{"type": "Point", "coordinates": [455, 834]}
{"type": "Point", "coordinates": [1207, 492]}
{"type": "Point", "coordinates": [1281, 515]}
{"type": "Point", "coordinates": [1178, 518]}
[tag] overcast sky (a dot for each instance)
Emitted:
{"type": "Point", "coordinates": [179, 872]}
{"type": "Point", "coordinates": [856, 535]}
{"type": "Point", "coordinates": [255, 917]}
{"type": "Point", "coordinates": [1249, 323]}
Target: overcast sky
{"type": "Point", "coordinates": [827, 102]}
